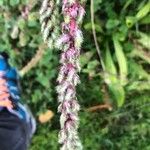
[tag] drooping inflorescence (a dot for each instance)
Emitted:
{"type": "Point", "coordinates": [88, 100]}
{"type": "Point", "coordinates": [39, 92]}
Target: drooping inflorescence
{"type": "Point", "coordinates": [69, 43]}
{"type": "Point", "coordinates": [50, 21]}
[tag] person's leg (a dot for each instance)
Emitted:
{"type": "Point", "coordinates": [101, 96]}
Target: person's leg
{"type": "Point", "coordinates": [14, 132]}
{"type": "Point", "coordinates": [17, 125]}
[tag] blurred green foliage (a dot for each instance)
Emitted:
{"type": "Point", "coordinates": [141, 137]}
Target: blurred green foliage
{"type": "Point", "coordinates": [122, 29]}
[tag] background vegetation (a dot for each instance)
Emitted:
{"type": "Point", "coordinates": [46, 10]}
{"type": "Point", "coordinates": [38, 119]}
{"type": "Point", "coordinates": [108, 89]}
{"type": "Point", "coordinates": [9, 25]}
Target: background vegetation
{"type": "Point", "coordinates": [115, 72]}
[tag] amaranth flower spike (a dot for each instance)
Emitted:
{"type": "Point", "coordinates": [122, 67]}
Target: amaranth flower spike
{"type": "Point", "coordinates": [50, 21]}
{"type": "Point", "coordinates": [70, 44]}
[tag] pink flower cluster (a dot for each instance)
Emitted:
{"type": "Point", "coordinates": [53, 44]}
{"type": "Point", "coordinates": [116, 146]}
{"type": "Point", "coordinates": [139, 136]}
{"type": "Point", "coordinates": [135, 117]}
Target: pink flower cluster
{"type": "Point", "coordinates": [70, 44]}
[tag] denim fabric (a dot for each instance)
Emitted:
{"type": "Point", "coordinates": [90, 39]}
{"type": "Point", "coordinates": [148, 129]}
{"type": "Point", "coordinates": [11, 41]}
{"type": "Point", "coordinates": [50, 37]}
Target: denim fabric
{"type": "Point", "coordinates": [14, 132]}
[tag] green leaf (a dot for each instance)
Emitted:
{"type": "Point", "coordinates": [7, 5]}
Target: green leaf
{"type": "Point", "coordinates": [23, 39]}
{"type": "Point", "coordinates": [145, 20]}
{"type": "Point", "coordinates": [32, 19]}
{"type": "Point", "coordinates": [110, 66]}
{"type": "Point", "coordinates": [92, 64]}
{"type": "Point", "coordinates": [91, 68]}
{"type": "Point", "coordinates": [85, 58]}
{"type": "Point", "coordinates": [43, 80]}
{"type": "Point", "coordinates": [144, 11]}
{"type": "Point", "coordinates": [127, 4]}
{"type": "Point", "coordinates": [112, 23]}
{"type": "Point", "coordinates": [96, 5]}
{"type": "Point", "coordinates": [111, 71]}
{"type": "Point", "coordinates": [15, 32]}
{"type": "Point", "coordinates": [136, 71]}
{"type": "Point", "coordinates": [144, 40]}
{"type": "Point", "coordinates": [14, 2]}
{"type": "Point", "coordinates": [122, 62]}
{"type": "Point", "coordinates": [36, 95]}
{"type": "Point", "coordinates": [32, 23]}
{"type": "Point", "coordinates": [21, 23]}
{"type": "Point", "coordinates": [98, 27]}
{"type": "Point", "coordinates": [139, 86]}
{"type": "Point", "coordinates": [1, 2]}
{"type": "Point", "coordinates": [141, 54]}
{"type": "Point", "coordinates": [118, 93]}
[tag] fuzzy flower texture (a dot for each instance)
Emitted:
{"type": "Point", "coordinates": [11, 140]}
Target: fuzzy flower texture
{"type": "Point", "coordinates": [70, 44]}
{"type": "Point", "coordinates": [50, 22]}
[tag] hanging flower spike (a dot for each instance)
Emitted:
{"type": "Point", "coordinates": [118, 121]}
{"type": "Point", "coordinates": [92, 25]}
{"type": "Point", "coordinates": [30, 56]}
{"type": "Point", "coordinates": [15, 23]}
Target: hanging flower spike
{"type": "Point", "coordinates": [50, 22]}
{"type": "Point", "coordinates": [70, 43]}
